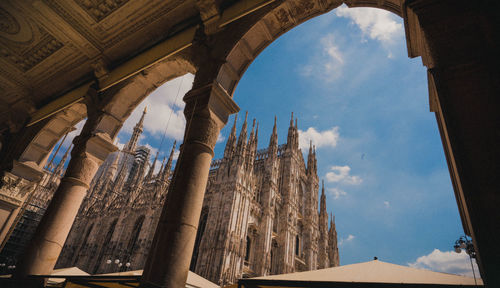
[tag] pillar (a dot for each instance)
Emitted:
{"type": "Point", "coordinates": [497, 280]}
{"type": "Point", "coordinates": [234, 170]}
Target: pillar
{"type": "Point", "coordinates": [462, 41]}
{"type": "Point", "coordinates": [207, 110]}
{"type": "Point", "coordinates": [90, 150]}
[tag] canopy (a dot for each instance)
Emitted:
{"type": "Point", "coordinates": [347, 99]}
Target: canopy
{"type": "Point", "coordinates": [368, 274]}
{"type": "Point", "coordinates": [75, 277]}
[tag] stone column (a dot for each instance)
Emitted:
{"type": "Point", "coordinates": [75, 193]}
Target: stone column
{"type": "Point", "coordinates": [90, 150]}
{"type": "Point", "coordinates": [206, 112]}
{"type": "Point", "coordinates": [461, 40]}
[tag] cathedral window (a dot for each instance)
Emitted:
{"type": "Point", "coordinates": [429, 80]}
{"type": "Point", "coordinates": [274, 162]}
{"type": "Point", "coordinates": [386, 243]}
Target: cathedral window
{"type": "Point", "coordinates": [297, 245]}
{"type": "Point", "coordinates": [135, 234]}
{"type": "Point", "coordinates": [106, 241]}
{"type": "Point", "coordinates": [249, 245]}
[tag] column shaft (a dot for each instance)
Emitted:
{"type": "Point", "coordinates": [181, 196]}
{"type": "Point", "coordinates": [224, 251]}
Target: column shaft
{"type": "Point", "coordinates": [41, 254]}
{"type": "Point", "coordinates": [170, 255]}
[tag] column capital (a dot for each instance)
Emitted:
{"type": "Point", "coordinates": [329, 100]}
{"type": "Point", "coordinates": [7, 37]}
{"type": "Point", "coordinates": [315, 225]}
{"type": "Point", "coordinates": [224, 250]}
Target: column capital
{"type": "Point", "coordinates": [210, 100]}
{"type": "Point", "coordinates": [99, 145]}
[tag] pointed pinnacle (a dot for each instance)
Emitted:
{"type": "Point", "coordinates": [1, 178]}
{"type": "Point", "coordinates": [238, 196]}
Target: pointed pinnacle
{"type": "Point", "coordinates": [291, 120]}
{"type": "Point", "coordinates": [234, 124]}
{"type": "Point", "coordinates": [145, 109]}
{"type": "Point", "coordinates": [322, 187]}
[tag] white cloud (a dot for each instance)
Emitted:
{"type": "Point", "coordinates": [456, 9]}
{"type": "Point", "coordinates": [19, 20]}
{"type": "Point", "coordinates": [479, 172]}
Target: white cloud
{"type": "Point", "coordinates": [220, 138]}
{"type": "Point", "coordinates": [319, 138]}
{"type": "Point", "coordinates": [157, 166]}
{"type": "Point", "coordinates": [447, 262]}
{"type": "Point", "coordinates": [119, 144]}
{"type": "Point", "coordinates": [330, 62]}
{"type": "Point", "coordinates": [336, 192]}
{"type": "Point", "coordinates": [349, 238]}
{"type": "Point", "coordinates": [176, 154]}
{"type": "Point", "coordinates": [165, 107]}
{"type": "Point", "coordinates": [340, 174]}
{"type": "Point", "coordinates": [387, 204]}
{"type": "Point", "coordinates": [377, 24]}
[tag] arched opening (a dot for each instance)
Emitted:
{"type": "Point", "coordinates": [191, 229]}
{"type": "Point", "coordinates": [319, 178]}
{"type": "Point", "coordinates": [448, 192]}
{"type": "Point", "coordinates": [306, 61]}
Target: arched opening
{"type": "Point", "coordinates": [289, 19]}
{"type": "Point", "coordinates": [248, 247]}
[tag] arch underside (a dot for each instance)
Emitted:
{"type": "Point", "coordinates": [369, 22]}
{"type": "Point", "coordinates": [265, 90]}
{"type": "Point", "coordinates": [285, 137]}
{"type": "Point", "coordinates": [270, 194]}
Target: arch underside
{"type": "Point", "coordinates": [124, 99]}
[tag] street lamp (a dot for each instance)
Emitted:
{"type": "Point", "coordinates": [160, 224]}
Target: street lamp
{"type": "Point", "coordinates": [464, 243]}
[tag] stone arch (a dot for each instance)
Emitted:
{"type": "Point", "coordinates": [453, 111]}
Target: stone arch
{"type": "Point", "coordinates": [130, 93]}
{"type": "Point", "coordinates": [275, 23]}
{"type": "Point", "coordinates": [40, 147]}
{"type": "Point", "coordinates": [124, 98]}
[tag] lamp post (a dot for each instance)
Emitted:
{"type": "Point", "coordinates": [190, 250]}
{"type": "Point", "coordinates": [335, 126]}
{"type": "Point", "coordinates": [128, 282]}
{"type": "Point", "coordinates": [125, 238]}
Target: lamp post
{"type": "Point", "coordinates": [466, 244]}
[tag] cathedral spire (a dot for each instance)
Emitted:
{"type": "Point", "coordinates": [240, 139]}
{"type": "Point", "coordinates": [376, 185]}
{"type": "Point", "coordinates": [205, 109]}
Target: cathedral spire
{"type": "Point", "coordinates": [161, 168]}
{"type": "Point", "coordinates": [333, 250]}
{"type": "Point", "coordinates": [252, 146]}
{"type": "Point", "coordinates": [310, 160]}
{"type": "Point", "coordinates": [242, 139]}
{"type": "Point", "coordinates": [59, 168]}
{"type": "Point", "coordinates": [231, 140]}
{"type": "Point", "coordinates": [151, 170]}
{"type": "Point", "coordinates": [323, 201]}
{"type": "Point", "coordinates": [132, 143]}
{"type": "Point", "coordinates": [274, 137]}
{"type": "Point", "coordinates": [292, 138]}
{"type": "Point", "coordinates": [168, 166]}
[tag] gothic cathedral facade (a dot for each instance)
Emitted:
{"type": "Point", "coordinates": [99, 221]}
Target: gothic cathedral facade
{"type": "Point", "coordinates": [260, 212]}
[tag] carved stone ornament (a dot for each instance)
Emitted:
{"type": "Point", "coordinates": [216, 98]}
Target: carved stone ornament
{"type": "Point", "coordinates": [15, 189]}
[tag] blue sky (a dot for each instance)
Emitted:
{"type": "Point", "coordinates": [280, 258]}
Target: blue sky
{"type": "Point", "coordinates": [361, 100]}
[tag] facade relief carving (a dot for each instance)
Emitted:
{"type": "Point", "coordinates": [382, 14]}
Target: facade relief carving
{"type": "Point", "coordinates": [14, 189]}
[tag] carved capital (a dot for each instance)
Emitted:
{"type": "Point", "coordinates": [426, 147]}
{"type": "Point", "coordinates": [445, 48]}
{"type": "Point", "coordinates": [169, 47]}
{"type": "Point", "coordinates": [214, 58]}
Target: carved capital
{"type": "Point", "coordinates": [207, 110]}
{"type": "Point", "coordinates": [210, 101]}
{"type": "Point", "coordinates": [88, 153]}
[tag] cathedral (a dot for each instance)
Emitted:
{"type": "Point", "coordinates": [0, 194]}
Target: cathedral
{"type": "Point", "coordinates": [260, 213]}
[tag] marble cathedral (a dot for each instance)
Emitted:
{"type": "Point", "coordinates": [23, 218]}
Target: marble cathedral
{"type": "Point", "coordinates": [260, 211]}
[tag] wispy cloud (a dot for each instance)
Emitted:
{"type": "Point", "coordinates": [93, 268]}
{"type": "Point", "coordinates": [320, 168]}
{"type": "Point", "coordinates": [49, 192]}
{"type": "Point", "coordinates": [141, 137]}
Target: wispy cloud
{"type": "Point", "coordinates": [165, 107]}
{"type": "Point", "coordinates": [447, 261]}
{"type": "Point", "coordinates": [326, 138]}
{"type": "Point", "coordinates": [328, 64]}
{"type": "Point", "coordinates": [348, 239]}
{"type": "Point", "coordinates": [336, 193]}
{"type": "Point", "coordinates": [377, 24]}
{"type": "Point", "coordinates": [387, 204]}
{"type": "Point", "coordinates": [341, 174]}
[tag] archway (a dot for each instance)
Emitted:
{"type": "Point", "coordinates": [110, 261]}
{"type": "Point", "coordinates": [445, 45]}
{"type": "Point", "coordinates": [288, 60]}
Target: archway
{"type": "Point", "coordinates": [228, 79]}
